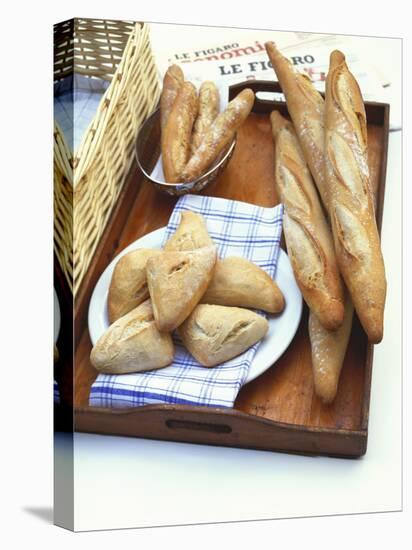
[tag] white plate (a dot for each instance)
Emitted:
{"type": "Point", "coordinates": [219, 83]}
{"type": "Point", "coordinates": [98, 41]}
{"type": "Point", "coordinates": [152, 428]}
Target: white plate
{"type": "Point", "coordinates": [282, 328]}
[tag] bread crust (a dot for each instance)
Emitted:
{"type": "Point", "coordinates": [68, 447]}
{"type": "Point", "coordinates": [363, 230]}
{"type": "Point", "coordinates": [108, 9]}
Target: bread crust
{"type": "Point", "coordinates": [241, 283]}
{"type": "Point", "coordinates": [128, 285]}
{"type": "Point", "coordinates": [308, 237]}
{"type": "Point", "coordinates": [209, 102]}
{"type": "Point", "coordinates": [328, 350]}
{"type": "Point", "coordinates": [306, 108]}
{"type": "Point", "coordinates": [219, 135]}
{"type": "Point", "coordinates": [177, 281]}
{"type": "Point", "coordinates": [191, 233]}
{"type": "Point", "coordinates": [215, 334]}
{"type": "Point", "coordinates": [352, 213]}
{"type": "Point", "coordinates": [177, 133]}
{"type": "Point", "coordinates": [172, 82]}
{"type": "Point", "coordinates": [133, 344]}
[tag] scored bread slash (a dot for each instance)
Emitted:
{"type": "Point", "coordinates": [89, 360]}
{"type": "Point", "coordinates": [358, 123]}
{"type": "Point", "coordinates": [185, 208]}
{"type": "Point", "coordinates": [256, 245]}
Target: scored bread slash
{"type": "Point", "coordinates": [190, 234]}
{"type": "Point", "coordinates": [209, 101]}
{"type": "Point", "coordinates": [351, 205]}
{"type": "Point", "coordinates": [177, 280]}
{"type": "Point", "coordinates": [177, 132]}
{"type": "Point", "coordinates": [306, 108]}
{"type": "Point", "coordinates": [308, 237]}
{"type": "Point", "coordinates": [215, 334]}
{"type": "Point", "coordinates": [133, 344]}
{"type": "Point", "coordinates": [239, 282]}
{"type": "Point", "coordinates": [128, 286]}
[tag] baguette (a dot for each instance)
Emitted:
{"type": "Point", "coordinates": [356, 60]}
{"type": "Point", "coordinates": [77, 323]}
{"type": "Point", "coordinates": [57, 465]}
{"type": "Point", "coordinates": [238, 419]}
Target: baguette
{"type": "Point", "coordinates": [172, 82]}
{"type": "Point", "coordinates": [177, 281]}
{"type": "Point", "coordinates": [215, 334]}
{"type": "Point", "coordinates": [239, 282]}
{"type": "Point", "coordinates": [128, 285]}
{"type": "Point", "coordinates": [308, 237]}
{"type": "Point", "coordinates": [328, 353]}
{"type": "Point", "coordinates": [178, 131]}
{"type": "Point", "coordinates": [133, 344]}
{"type": "Point", "coordinates": [219, 135]}
{"type": "Point", "coordinates": [352, 211]}
{"type": "Point", "coordinates": [208, 110]}
{"type": "Point", "coordinates": [190, 234]}
{"type": "Point", "coordinates": [306, 109]}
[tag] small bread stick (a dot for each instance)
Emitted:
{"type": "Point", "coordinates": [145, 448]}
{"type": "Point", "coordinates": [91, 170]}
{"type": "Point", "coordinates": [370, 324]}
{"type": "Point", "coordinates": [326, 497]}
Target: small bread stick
{"type": "Point", "coordinates": [219, 135]}
{"type": "Point", "coordinates": [178, 131]}
{"type": "Point", "coordinates": [209, 101]}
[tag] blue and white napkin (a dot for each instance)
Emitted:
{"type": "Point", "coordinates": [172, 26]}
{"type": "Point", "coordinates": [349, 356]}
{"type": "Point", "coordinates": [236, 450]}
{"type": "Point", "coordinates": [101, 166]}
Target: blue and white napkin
{"type": "Point", "coordinates": [238, 229]}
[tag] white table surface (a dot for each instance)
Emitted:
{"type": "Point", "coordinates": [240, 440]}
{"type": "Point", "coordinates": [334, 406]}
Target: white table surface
{"type": "Point", "coordinates": [126, 482]}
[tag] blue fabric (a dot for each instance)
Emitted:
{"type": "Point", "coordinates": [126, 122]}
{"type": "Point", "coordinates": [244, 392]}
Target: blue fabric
{"type": "Point", "coordinates": [238, 229]}
{"type": "Point", "coordinates": [56, 393]}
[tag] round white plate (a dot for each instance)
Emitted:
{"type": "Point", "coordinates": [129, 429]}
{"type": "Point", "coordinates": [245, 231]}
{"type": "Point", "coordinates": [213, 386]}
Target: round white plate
{"type": "Point", "coordinates": [282, 328]}
{"type": "Point", "coordinates": [56, 317]}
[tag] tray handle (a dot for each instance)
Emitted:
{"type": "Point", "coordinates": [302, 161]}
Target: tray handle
{"type": "Point", "coordinates": [174, 424]}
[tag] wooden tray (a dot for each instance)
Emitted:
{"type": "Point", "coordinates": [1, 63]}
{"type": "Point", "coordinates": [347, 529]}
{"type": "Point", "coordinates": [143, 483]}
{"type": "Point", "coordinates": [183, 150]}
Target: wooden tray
{"type": "Point", "coordinates": [278, 411]}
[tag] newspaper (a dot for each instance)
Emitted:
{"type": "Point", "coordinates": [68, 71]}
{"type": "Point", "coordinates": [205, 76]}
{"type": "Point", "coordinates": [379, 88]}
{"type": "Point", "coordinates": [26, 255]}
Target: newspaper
{"type": "Point", "coordinates": [243, 57]}
{"type": "Point", "coordinates": [240, 63]}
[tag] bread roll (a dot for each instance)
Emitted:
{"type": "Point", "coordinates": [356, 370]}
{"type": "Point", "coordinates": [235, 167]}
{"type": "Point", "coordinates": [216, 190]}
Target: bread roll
{"type": "Point", "coordinates": [215, 334]}
{"type": "Point", "coordinates": [172, 82]}
{"type": "Point", "coordinates": [351, 207]}
{"type": "Point", "coordinates": [177, 281]}
{"type": "Point", "coordinates": [128, 285]}
{"type": "Point", "coordinates": [239, 282]}
{"type": "Point", "coordinates": [306, 108]}
{"type": "Point", "coordinates": [308, 237]}
{"type": "Point", "coordinates": [177, 133]}
{"type": "Point", "coordinates": [209, 102]}
{"type": "Point", "coordinates": [328, 353]}
{"type": "Point", "coordinates": [190, 234]}
{"type": "Point", "coordinates": [133, 344]}
{"type": "Point", "coordinates": [219, 135]}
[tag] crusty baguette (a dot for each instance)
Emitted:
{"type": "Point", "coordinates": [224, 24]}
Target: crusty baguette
{"type": "Point", "coordinates": [219, 135]}
{"type": "Point", "coordinates": [306, 108]}
{"type": "Point", "coordinates": [133, 344]}
{"type": "Point", "coordinates": [328, 353]}
{"type": "Point", "coordinates": [177, 281]}
{"type": "Point", "coordinates": [241, 283]}
{"type": "Point", "coordinates": [178, 131]}
{"type": "Point", "coordinates": [351, 207]}
{"type": "Point", "coordinates": [128, 285]}
{"type": "Point", "coordinates": [209, 102]}
{"type": "Point", "coordinates": [215, 334]}
{"type": "Point", "coordinates": [190, 234]}
{"type": "Point", "coordinates": [307, 234]}
{"type": "Point", "coordinates": [172, 82]}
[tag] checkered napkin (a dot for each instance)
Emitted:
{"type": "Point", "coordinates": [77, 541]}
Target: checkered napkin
{"type": "Point", "coordinates": [238, 229]}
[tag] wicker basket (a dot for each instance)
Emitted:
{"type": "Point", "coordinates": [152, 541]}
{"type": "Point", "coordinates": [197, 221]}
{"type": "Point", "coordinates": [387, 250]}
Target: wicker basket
{"type": "Point", "coordinates": [118, 51]}
{"type": "Point", "coordinates": [63, 204]}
